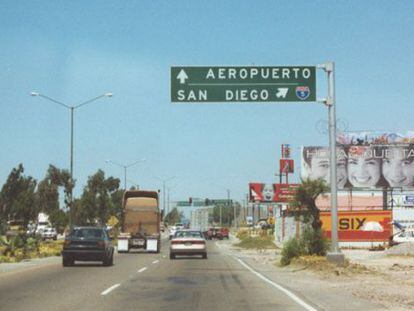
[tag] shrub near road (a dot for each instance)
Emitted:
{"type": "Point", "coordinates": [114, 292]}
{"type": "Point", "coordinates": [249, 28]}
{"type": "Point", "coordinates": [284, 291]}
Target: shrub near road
{"type": "Point", "coordinates": [263, 241]}
{"type": "Point", "coordinates": [16, 249]}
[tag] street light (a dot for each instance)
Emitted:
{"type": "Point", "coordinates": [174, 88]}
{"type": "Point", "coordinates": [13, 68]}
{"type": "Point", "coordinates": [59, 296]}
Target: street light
{"type": "Point", "coordinates": [125, 168]}
{"type": "Point", "coordinates": [72, 109]}
{"type": "Point", "coordinates": [163, 190]}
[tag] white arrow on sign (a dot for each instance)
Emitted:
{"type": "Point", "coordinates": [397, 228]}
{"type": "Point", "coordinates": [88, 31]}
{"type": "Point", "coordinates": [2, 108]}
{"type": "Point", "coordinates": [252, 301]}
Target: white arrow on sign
{"type": "Point", "coordinates": [282, 92]}
{"type": "Point", "coordinates": [182, 76]}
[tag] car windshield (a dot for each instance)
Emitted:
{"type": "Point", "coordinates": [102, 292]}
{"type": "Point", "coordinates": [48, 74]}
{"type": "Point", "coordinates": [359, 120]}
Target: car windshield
{"type": "Point", "coordinates": [87, 233]}
{"type": "Point", "coordinates": [188, 234]}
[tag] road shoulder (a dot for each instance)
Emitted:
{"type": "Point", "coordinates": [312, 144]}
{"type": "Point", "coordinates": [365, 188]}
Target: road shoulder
{"type": "Point", "coordinates": [325, 292]}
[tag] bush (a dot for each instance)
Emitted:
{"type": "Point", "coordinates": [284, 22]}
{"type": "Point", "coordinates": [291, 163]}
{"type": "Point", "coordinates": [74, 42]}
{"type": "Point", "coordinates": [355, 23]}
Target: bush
{"type": "Point", "coordinates": [242, 234]}
{"type": "Point", "coordinates": [291, 249]}
{"type": "Point", "coordinates": [311, 242]}
{"type": "Point", "coordinates": [314, 242]}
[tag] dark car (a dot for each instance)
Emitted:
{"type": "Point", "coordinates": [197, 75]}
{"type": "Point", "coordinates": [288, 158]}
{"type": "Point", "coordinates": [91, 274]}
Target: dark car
{"type": "Point", "coordinates": [87, 244]}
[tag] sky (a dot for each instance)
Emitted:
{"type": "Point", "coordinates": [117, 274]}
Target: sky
{"type": "Point", "coordinates": [73, 51]}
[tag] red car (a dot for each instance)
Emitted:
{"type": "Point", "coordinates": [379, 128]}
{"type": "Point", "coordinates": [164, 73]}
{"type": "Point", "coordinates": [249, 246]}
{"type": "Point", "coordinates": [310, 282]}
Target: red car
{"type": "Point", "coordinates": [224, 233]}
{"type": "Point", "coordinates": [217, 233]}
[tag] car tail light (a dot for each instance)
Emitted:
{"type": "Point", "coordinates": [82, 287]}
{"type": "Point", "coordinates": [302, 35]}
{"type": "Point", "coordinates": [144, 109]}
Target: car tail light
{"type": "Point", "coordinates": [176, 242]}
{"type": "Point", "coordinates": [66, 243]}
{"type": "Point", "coordinates": [198, 242]}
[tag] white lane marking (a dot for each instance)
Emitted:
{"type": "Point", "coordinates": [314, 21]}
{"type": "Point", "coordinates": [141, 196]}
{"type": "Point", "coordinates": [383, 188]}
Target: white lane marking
{"type": "Point", "coordinates": [284, 290]}
{"type": "Point", "coordinates": [156, 261]}
{"type": "Point", "coordinates": [107, 291]}
{"type": "Point", "coordinates": [142, 269]}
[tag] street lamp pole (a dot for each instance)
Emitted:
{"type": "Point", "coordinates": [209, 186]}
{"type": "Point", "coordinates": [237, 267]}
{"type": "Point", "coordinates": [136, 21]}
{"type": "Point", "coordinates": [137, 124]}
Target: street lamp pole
{"type": "Point", "coordinates": [72, 109]}
{"type": "Point", "coordinates": [163, 191]}
{"type": "Point", "coordinates": [125, 168]}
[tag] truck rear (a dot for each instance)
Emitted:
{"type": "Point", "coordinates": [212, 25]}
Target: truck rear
{"type": "Point", "coordinates": [140, 227]}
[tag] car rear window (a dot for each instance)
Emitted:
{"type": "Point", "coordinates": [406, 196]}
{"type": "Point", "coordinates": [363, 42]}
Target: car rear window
{"type": "Point", "coordinates": [188, 234]}
{"type": "Point", "coordinates": [87, 233]}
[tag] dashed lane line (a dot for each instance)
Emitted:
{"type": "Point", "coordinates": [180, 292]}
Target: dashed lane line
{"type": "Point", "coordinates": [155, 261]}
{"type": "Point", "coordinates": [142, 269]}
{"type": "Point", "coordinates": [110, 289]}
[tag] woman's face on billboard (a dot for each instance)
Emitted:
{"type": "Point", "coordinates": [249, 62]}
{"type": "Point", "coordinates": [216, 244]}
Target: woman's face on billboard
{"type": "Point", "coordinates": [363, 169]}
{"type": "Point", "coordinates": [398, 167]}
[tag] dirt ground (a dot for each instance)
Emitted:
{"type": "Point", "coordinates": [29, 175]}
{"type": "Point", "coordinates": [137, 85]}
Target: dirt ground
{"type": "Point", "coordinates": [376, 276]}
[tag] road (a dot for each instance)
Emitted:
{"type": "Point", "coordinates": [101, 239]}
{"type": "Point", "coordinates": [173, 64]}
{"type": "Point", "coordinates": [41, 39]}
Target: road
{"type": "Point", "coordinates": [140, 281]}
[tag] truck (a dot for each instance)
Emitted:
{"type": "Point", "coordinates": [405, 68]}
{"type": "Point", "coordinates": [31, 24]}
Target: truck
{"type": "Point", "coordinates": [140, 223]}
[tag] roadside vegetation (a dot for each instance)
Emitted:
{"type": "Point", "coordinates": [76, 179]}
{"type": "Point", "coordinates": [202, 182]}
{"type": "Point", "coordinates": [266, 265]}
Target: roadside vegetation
{"type": "Point", "coordinates": [264, 240]}
{"type": "Point", "coordinates": [17, 249]}
{"type": "Point", "coordinates": [303, 207]}
{"type": "Point", "coordinates": [22, 198]}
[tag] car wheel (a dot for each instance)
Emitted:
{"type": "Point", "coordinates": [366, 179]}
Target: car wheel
{"type": "Point", "coordinates": [109, 261]}
{"type": "Point", "coordinates": [205, 256]}
{"type": "Point", "coordinates": [172, 256]}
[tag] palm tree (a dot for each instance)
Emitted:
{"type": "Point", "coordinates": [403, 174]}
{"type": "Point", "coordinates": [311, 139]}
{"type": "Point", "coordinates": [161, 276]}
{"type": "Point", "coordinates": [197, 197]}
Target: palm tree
{"type": "Point", "coordinates": [303, 203]}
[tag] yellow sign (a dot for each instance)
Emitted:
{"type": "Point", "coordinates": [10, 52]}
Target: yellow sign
{"type": "Point", "coordinates": [113, 221]}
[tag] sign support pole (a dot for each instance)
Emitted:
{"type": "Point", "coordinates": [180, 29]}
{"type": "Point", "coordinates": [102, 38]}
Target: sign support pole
{"type": "Point", "coordinates": [335, 255]}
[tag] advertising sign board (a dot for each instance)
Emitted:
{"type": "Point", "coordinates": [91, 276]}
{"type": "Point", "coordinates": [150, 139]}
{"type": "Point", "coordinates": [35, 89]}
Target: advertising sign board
{"type": "Point", "coordinates": [243, 84]}
{"type": "Point", "coordinates": [389, 166]}
{"type": "Point", "coordinates": [355, 226]}
{"type": "Point", "coordinates": [364, 138]}
{"type": "Point", "coordinates": [259, 192]}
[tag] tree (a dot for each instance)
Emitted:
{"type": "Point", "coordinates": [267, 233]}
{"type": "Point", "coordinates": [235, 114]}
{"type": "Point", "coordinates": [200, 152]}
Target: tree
{"type": "Point", "coordinates": [96, 202]}
{"type": "Point", "coordinates": [116, 206]}
{"type": "Point", "coordinates": [17, 197]}
{"type": "Point", "coordinates": [48, 195]}
{"type": "Point", "coordinates": [227, 212]}
{"type": "Point", "coordinates": [174, 216]}
{"type": "Point", "coordinates": [303, 203]}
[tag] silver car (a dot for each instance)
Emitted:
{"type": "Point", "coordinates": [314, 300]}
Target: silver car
{"type": "Point", "coordinates": [188, 242]}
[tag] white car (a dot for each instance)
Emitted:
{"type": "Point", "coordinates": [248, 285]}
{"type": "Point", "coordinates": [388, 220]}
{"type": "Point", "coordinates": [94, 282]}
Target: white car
{"type": "Point", "coordinates": [188, 242]}
{"type": "Point", "coordinates": [173, 230]}
{"type": "Point", "coordinates": [49, 233]}
{"type": "Point", "coordinates": [404, 236]}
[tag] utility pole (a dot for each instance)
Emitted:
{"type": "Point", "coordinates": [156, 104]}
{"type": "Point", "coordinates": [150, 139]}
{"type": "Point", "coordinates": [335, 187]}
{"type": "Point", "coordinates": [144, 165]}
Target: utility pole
{"type": "Point", "coordinates": [335, 255]}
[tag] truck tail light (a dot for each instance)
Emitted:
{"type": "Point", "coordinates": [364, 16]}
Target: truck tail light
{"type": "Point", "coordinates": [66, 243]}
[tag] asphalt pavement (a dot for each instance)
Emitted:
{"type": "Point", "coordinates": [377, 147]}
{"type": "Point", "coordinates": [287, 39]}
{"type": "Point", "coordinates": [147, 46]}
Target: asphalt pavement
{"type": "Point", "coordinates": [141, 281]}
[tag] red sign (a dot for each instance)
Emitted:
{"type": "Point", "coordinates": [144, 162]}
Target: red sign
{"type": "Point", "coordinates": [286, 166]}
{"type": "Point", "coordinates": [285, 192]}
{"type": "Point", "coordinates": [271, 192]}
{"type": "Point", "coordinates": [360, 226]}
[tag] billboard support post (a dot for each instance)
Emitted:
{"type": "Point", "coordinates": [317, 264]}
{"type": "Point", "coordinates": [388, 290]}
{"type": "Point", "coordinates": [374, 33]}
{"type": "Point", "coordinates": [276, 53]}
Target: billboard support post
{"type": "Point", "coordinates": [335, 255]}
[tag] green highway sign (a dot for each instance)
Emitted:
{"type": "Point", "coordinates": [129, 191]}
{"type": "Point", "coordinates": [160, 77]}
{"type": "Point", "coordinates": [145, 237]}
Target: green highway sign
{"type": "Point", "coordinates": [226, 202]}
{"type": "Point", "coordinates": [243, 84]}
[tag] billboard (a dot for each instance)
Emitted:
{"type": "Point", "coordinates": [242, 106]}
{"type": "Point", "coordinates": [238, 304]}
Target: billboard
{"type": "Point", "coordinates": [259, 192]}
{"type": "Point", "coordinates": [375, 138]}
{"type": "Point", "coordinates": [352, 226]}
{"type": "Point", "coordinates": [386, 166]}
